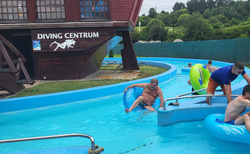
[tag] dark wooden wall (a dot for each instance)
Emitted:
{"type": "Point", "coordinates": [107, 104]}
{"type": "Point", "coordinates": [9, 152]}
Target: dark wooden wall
{"type": "Point", "coordinates": [69, 63]}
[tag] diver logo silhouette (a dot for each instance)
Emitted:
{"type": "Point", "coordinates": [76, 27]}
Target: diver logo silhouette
{"type": "Point", "coordinates": [67, 43]}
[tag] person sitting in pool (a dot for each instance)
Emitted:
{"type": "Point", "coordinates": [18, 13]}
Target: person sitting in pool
{"type": "Point", "coordinates": [150, 93]}
{"type": "Point", "coordinates": [189, 65]}
{"type": "Point", "coordinates": [210, 67]}
{"type": "Point", "coordinates": [236, 107]}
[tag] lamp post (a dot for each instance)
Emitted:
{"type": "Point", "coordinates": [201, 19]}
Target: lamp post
{"type": "Point", "coordinates": [139, 26]}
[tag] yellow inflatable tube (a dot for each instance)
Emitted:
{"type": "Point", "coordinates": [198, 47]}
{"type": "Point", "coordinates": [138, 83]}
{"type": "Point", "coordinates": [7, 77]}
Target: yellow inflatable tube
{"type": "Point", "coordinates": [196, 79]}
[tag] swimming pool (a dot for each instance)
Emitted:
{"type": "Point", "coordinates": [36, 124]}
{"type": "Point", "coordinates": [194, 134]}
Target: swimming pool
{"type": "Point", "coordinates": [104, 119]}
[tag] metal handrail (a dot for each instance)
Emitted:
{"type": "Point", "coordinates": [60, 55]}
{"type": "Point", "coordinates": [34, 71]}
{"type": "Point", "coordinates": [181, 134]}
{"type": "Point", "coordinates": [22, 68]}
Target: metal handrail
{"type": "Point", "coordinates": [51, 137]}
{"type": "Point", "coordinates": [191, 92]}
{"type": "Point", "coordinates": [210, 96]}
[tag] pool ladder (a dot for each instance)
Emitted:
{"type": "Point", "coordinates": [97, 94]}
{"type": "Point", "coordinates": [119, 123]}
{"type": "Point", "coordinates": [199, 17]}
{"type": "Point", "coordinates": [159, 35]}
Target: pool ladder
{"type": "Point", "coordinates": [51, 137]}
{"type": "Point", "coordinates": [182, 96]}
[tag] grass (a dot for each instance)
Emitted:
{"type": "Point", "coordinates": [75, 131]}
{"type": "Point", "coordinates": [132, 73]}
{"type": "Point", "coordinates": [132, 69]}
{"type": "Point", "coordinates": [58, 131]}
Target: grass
{"type": "Point", "coordinates": [60, 86]}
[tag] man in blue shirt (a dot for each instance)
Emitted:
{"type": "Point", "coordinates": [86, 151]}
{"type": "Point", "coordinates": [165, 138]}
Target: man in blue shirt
{"type": "Point", "coordinates": [223, 77]}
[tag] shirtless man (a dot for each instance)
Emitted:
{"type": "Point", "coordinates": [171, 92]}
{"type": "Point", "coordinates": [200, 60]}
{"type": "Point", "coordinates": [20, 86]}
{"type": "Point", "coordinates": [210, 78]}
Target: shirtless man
{"type": "Point", "coordinates": [210, 67]}
{"type": "Point", "coordinates": [236, 107]}
{"type": "Point", "coordinates": [150, 92]}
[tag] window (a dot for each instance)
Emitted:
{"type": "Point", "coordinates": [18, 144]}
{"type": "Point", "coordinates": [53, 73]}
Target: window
{"type": "Point", "coordinates": [13, 10]}
{"type": "Point", "coordinates": [94, 9]}
{"type": "Point", "coordinates": [50, 9]}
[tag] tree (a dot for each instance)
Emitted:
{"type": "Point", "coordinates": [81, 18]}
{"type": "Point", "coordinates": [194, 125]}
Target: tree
{"type": "Point", "coordinates": [135, 35]}
{"type": "Point", "coordinates": [197, 28]}
{"type": "Point", "coordinates": [210, 4]}
{"type": "Point", "coordinates": [175, 15]}
{"type": "Point", "coordinates": [202, 6]}
{"type": "Point", "coordinates": [165, 17]}
{"type": "Point", "coordinates": [179, 6]}
{"type": "Point", "coordinates": [152, 13]}
{"type": "Point", "coordinates": [143, 19]}
{"type": "Point", "coordinates": [207, 14]}
{"type": "Point", "coordinates": [233, 22]}
{"type": "Point", "coordinates": [192, 6]}
{"type": "Point", "coordinates": [182, 20]}
{"type": "Point", "coordinates": [213, 20]}
{"type": "Point", "coordinates": [156, 30]}
{"type": "Point", "coordinates": [221, 18]}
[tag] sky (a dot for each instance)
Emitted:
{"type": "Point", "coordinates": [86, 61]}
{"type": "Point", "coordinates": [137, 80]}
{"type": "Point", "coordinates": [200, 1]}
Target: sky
{"type": "Point", "coordinates": [160, 5]}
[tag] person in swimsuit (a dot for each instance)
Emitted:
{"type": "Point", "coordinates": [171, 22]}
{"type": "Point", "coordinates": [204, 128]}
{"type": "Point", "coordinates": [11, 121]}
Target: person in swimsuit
{"type": "Point", "coordinates": [223, 77]}
{"type": "Point", "coordinates": [150, 92]}
{"type": "Point", "coordinates": [189, 65]}
{"type": "Point", "coordinates": [210, 67]}
{"type": "Point", "coordinates": [236, 107]}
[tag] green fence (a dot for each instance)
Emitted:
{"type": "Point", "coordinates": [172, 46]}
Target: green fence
{"type": "Point", "coordinates": [230, 50]}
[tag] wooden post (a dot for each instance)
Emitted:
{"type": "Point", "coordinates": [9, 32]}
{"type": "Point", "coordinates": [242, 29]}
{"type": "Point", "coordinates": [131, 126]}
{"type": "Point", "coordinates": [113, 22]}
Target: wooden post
{"type": "Point", "coordinates": [128, 54]}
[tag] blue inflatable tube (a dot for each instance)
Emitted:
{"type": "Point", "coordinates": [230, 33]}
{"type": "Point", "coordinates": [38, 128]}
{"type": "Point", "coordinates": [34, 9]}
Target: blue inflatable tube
{"type": "Point", "coordinates": [215, 125]}
{"type": "Point", "coordinates": [186, 69]}
{"type": "Point", "coordinates": [132, 94]}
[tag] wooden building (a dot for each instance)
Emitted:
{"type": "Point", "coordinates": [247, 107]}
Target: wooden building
{"type": "Point", "coordinates": [68, 39]}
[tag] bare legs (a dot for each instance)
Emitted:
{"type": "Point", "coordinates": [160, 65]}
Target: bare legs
{"type": "Point", "coordinates": [136, 103]}
{"type": "Point", "coordinates": [247, 120]}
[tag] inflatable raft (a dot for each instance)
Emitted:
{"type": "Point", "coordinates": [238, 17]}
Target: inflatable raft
{"type": "Point", "coordinates": [215, 125]}
{"type": "Point", "coordinates": [195, 77]}
{"type": "Point", "coordinates": [131, 95]}
{"type": "Point", "coordinates": [186, 69]}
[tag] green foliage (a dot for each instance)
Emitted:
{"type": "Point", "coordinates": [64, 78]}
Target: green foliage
{"type": "Point", "coordinates": [178, 6]}
{"type": "Point", "coordinates": [222, 19]}
{"type": "Point", "coordinates": [183, 19]}
{"type": "Point", "coordinates": [192, 6]}
{"type": "Point", "coordinates": [135, 36]}
{"type": "Point", "coordinates": [156, 30]}
{"type": "Point", "coordinates": [172, 36]}
{"type": "Point", "coordinates": [207, 14]}
{"type": "Point", "coordinates": [175, 15]}
{"type": "Point", "coordinates": [232, 32]}
{"type": "Point", "coordinates": [152, 13]}
{"type": "Point", "coordinates": [197, 28]}
{"type": "Point", "coordinates": [213, 20]}
{"type": "Point", "coordinates": [233, 22]}
{"type": "Point", "coordinates": [165, 18]}
{"type": "Point", "coordinates": [143, 19]}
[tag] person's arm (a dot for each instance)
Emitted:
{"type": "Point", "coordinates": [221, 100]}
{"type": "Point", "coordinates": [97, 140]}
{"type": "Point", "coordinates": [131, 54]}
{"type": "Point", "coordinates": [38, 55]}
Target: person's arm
{"type": "Point", "coordinates": [143, 85]}
{"type": "Point", "coordinates": [201, 74]}
{"type": "Point", "coordinates": [245, 102]}
{"type": "Point", "coordinates": [246, 77]}
{"type": "Point", "coordinates": [161, 97]}
{"type": "Point", "coordinates": [227, 93]}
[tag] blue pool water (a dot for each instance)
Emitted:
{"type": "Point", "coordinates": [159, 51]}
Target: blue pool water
{"type": "Point", "coordinates": [104, 119]}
